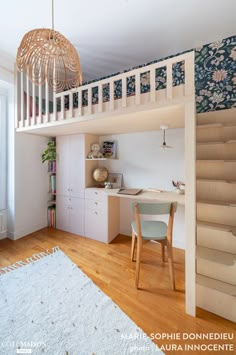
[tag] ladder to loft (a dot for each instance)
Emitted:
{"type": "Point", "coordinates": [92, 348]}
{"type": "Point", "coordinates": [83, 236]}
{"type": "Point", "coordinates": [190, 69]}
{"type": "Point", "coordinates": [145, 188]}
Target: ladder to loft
{"type": "Point", "coordinates": [216, 213]}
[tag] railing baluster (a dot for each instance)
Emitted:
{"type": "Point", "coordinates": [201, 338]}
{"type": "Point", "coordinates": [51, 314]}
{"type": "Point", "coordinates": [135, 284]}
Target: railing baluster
{"type": "Point", "coordinates": [54, 106]}
{"type": "Point", "coordinates": [100, 98]}
{"type": "Point", "coordinates": [63, 106]}
{"type": "Point", "coordinates": [124, 101]}
{"type": "Point", "coordinates": [40, 104]}
{"type": "Point", "coordinates": [33, 118]}
{"type": "Point", "coordinates": [47, 101]}
{"type": "Point", "coordinates": [22, 113]}
{"type": "Point", "coordinates": [28, 99]}
{"type": "Point", "coordinates": [189, 74]}
{"type": "Point", "coordinates": [17, 98]}
{"type": "Point", "coordinates": [153, 85]}
{"type": "Point", "coordinates": [80, 103]}
{"type": "Point", "coordinates": [111, 89]}
{"type": "Point", "coordinates": [169, 81]}
{"type": "Point", "coordinates": [71, 110]}
{"type": "Point", "coordinates": [89, 111]}
{"type": "Point", "coordinates": [137, 88]}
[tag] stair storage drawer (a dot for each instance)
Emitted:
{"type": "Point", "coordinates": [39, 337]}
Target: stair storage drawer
{"type": "Point", "coordinates": [96, 224]}
{"type": "Point", "coordinates": [216, 213]}
{"type": "Point", "coordinates": [216, 151]}
{"type": "Point", "coordinates": [216, 190]}
{"type": "Point", "coordinates": [216, 265]}
{"type": "Point", "coordinates": [217, 237]}
{"type": "Point", "coordinates": [216, 296]}
{"type": "Point", "coordinates": [95, 194]}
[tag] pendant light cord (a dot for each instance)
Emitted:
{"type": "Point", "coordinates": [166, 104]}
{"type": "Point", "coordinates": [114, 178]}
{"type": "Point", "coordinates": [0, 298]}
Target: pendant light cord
{"type": "Point", "coordinates": [53, 14]}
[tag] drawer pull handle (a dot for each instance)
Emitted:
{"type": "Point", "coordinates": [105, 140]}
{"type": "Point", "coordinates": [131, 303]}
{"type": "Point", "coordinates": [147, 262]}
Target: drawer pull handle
{"type": "Point", "coordinates": [95, 212]}
{"type": "Point", "coordinates": [95, 192]}
{"type": "Point", "coordinates": [95, 203]}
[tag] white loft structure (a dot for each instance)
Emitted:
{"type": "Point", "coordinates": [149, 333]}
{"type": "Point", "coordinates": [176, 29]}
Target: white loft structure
{"type": "Point", "coordinates": [174, 106]}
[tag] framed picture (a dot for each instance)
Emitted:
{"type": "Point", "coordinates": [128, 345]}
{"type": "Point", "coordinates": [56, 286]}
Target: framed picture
{"type": "Point", "coordinates": [115, 180]}
{"type": "Point", "coordinates": [109, 149]}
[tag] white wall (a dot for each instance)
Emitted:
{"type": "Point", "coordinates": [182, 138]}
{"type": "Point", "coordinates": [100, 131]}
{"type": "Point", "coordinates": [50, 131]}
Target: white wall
{"type": "Point", "coordinates": [144, 165]}
{"type": "Point", "coordinates": [31, 185]}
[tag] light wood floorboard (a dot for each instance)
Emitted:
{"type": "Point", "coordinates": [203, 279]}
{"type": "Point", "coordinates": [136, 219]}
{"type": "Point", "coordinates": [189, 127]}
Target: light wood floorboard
{"type": "Point", "coordinates": [154, 307]}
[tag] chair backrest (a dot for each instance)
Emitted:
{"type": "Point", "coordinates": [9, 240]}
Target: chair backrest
{"type": "Point", "coordinates": [154, 208]}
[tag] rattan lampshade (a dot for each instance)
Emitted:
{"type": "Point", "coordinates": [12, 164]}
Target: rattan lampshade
{"type": "Point", "coordinates": [46, 54]}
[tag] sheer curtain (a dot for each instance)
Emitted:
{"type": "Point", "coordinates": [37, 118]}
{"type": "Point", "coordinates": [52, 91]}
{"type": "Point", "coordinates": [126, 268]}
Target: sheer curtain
{"type": "Point", "coordinates": [3, 151]}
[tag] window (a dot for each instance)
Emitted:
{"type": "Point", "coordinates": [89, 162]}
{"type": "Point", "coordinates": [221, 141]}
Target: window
{"type": "Point", "coordinates": [3, 151]}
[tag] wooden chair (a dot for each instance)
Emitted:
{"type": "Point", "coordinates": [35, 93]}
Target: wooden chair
{"type": "Point", "coordinates": [153, 230]}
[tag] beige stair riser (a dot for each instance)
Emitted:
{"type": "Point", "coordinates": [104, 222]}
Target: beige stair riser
{"type": "Point", "coordinates": [216, 302]}
{"type": "Point", "coordinates": [216, 190]}
{"type": "Point", "coordinates": [216, 151]}
{"type": "Point", "coordinates": [222, 116]}
{"type": "Point", "coordinates": [218, 267]}
{"type": "Point", "coordinates": [216, 134]}
{"type": "Point", "coordinates": [216, 214]}
{"type": "Point", "coordinates": [216, 170]}
{"type": "Point", "coordinates": [216, 239]}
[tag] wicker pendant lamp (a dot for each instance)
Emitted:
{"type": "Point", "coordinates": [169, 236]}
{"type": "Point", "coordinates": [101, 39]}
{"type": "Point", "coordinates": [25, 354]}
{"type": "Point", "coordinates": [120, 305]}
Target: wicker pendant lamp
{"type": "Point", "coordinates": [46, 55]}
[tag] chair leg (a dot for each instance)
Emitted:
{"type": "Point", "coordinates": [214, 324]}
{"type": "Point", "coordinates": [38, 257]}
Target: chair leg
{"type": "Point", "coordinates": [133, 245]}
{"type": "Point", "coordinates": [139, 249]}
{"type": "Point", "coordinates": [163, 251]}
{"type": "Point", "coordinates": [171, 266]}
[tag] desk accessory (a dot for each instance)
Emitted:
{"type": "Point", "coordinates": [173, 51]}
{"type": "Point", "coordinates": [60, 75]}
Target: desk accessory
{"type": "Point", "coordinates": [129, 191]}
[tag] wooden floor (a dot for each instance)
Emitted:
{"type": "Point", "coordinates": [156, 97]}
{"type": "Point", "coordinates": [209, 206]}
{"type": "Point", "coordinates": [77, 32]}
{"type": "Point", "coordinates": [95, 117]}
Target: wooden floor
{"type": "Point", "coordinates": [155, 307]}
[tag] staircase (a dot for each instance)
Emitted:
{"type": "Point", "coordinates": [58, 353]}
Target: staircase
{"type": "Point", "coordinates": [216, 212]}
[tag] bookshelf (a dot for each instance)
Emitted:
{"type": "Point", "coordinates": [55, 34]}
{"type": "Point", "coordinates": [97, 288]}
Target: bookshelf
{"type": "Point", "coordinates": [51, 210]}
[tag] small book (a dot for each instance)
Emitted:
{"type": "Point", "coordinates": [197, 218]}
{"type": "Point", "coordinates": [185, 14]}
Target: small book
{"type": "Point", "coordinates": [129, 191]}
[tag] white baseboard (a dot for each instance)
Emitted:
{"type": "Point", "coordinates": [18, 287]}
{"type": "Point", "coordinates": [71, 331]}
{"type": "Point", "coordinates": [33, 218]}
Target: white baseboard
{"type": "Point", "coordinates": [26, 231]}
{"type": "Point", "coordinates": [3, 235]}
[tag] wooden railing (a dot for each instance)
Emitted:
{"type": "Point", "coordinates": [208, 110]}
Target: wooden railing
{"type": "Point", "coordinates": [37, 106]}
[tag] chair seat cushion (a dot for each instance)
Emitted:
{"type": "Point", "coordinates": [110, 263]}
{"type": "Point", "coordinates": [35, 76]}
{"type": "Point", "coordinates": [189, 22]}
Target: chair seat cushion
{"type": "Point", "coordinates": [152, 230]}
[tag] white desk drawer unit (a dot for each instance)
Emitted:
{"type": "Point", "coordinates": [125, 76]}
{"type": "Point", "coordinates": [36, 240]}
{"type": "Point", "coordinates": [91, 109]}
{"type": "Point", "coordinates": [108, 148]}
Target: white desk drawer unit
{"type": "Point", "coordinates": [95, 194]}
{"type": "Point", "coordinates": [96, 204]}
{"type": "Point", "coordinates": [100, 212]}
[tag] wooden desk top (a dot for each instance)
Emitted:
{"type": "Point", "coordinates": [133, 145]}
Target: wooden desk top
{"type": "Point", "coordinates": [147, 195]}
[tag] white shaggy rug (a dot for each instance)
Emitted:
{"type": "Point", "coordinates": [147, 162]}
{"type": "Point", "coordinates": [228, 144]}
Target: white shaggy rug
{"type": "Point", "coordinates": [49, 306]}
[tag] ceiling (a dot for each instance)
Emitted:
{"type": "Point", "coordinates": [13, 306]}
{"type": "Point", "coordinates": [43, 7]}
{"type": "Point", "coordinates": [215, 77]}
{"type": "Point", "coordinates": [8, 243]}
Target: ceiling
{"type": "Point", "coordinates": [111, 36]}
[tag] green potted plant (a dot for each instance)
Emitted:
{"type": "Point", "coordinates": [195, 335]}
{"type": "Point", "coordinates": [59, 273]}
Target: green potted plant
{"type": "Point", "coordinates": [50, 152]}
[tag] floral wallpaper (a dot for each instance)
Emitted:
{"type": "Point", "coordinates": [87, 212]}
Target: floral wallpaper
{"type": "Point", "coordinates": [215, 75]}
{"type": "Point", "coordinates": [215, 79]}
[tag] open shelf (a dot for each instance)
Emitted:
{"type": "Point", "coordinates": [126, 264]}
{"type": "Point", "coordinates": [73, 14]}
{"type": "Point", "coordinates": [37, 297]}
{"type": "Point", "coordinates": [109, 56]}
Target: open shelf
{"type": "Point", "coordinates": [93, 159]}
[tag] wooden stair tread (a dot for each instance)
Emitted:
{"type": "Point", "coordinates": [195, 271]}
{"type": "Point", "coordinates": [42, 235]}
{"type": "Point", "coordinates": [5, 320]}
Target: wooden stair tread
{"type": "Point", "coordinates": [216, 160]}
{"type": "Point", "coordinates": [216, 285]}
{"type": "Point", "coordinates": [231, 141]}
{"type": "Point", "coordinates": [217, 202]}
{"type": "Point", "coordinates": [215, 256]}
{"type": "Point", "coordinates": [216, 125]}
{"type": "Point", "coordinates": [216, 180]}
{"type": "Point", "coordinates": [217, 226]}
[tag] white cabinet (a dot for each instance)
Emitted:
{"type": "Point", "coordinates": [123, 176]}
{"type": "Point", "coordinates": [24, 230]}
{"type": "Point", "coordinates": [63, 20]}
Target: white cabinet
{"type": "Point", "coordinates": [70, 214]}
{"type": "Point", "coordinates": [102, 215]}
{"type": "Point", "coordinates": [70, 183]}
{"type": "Point", "coordinates": [70, 165]}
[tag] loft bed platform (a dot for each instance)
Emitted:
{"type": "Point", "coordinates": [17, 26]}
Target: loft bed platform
{"type": "Point", "coordinates": [137, 100]}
